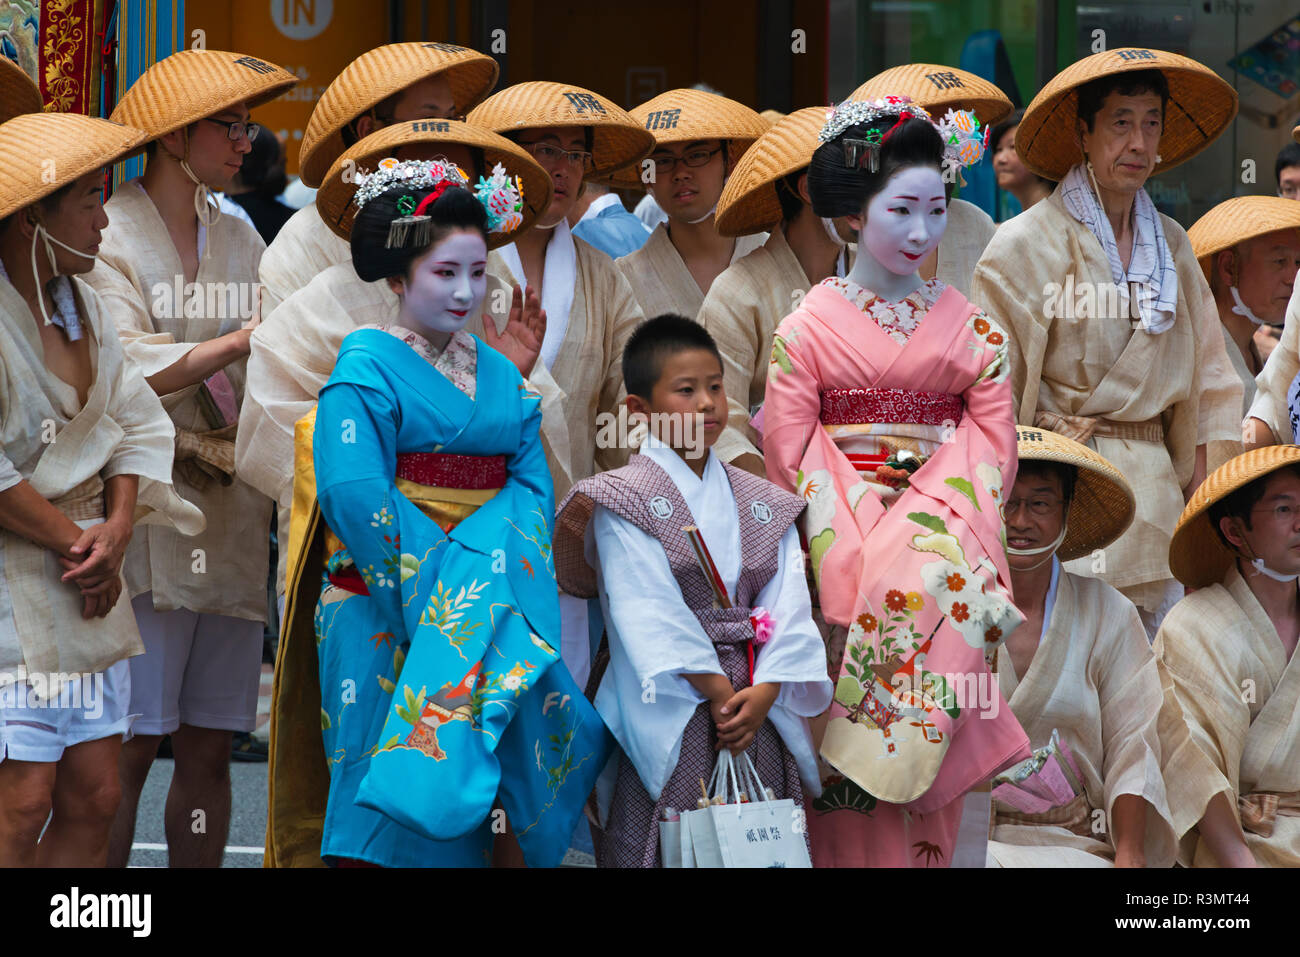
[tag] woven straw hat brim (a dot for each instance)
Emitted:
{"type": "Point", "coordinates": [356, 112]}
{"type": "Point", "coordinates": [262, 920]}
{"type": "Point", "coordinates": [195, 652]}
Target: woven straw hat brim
{"type": "Point", "coordinates": [19, 94]}
{"type": "Point", "coordinates": [375, 76]}
{"type": "Point", "coordinates": [1197, 556]}
{"type": "Point", "coordinates": [1295, 134]}
{"type": "Point", "coordinates": [192, 84]}
{"type": "Point", "coordinates": [749, 202]}
{"type": "Point", "coordinates": [43, 152]}
{"type": "Point", "coordinates": [698, 116]}
{"type": "Point", "coordinates": [334, 198]}
{"type": "Point", "coordinates": [1237, 220]}
{"type": "Point", "coordinates": [938, 89]}
{"type": "Point", "coordinates": [1201, 105]}
{"type": "Point", "coordinates": [617, 139]}
{"type": "Point", "coordinates": [1102, 506]}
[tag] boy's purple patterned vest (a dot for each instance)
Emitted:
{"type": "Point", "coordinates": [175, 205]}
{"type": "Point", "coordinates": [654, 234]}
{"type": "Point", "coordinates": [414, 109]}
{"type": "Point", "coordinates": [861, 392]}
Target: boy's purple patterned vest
{"type": "Point", "coordinates": [642, 493]}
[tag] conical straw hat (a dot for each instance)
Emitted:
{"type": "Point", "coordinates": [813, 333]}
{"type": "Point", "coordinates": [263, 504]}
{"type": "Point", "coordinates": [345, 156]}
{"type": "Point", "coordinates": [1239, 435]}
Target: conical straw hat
{"type": "Point", "coordinates": [1238, 219]}
{"type": "Point", "coordinates": [683, 116]}
{"type": "Point", "coordinates": [375, 76]}
{"type": "Point", "coordinates": [189, 85]}
{"type": "Point", "coordinates": [1102, 506]}
{"type": "Point", "coordinates": [1201, 105]}
{"type": "Point", "coordinates": [617, 139]}
{"type": "Point", "coordinates": [1197, 556]}
{"type": "Point", "coordinates": [334, 198]}
{"type": "Point", "coordinates": [43, 152]}
{"type": "Point", "coordinates": [938, 89]}
{"type": "Point", "coordinates": [749, 202]}
{"type": "Point", "coordinates": [18, 93]}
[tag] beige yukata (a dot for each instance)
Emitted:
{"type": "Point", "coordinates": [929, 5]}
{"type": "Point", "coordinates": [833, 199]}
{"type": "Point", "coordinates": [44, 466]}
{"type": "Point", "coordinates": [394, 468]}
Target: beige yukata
{"type": "Point", "coordinates": [1093, 679]}
{"type": "Point", "coordinates": [1274, 381]}
{"type": "Point", "coordinates": [303, 248]}
{"type": "Point", "coordinates": [1230, 721]}
{"type": "Point", "coordinates": [223, 570]}
{"type": "Point", "coordinates": [1144, 402]}
{"type": "Point", "coordinates": [660, 280]}
{"type": "Point", "coordinates": [120, 430]}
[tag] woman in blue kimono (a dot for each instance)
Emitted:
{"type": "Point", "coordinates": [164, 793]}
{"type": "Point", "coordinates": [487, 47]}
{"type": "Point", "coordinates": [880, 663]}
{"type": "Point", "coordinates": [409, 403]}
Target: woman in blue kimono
{"type": "Point", "coordinates": [445, 713]}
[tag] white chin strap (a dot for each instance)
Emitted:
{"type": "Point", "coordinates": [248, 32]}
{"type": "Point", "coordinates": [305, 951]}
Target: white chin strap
{"type": "Point", "coordinates": [206, 206]}
{"type": "Point", "coordinates": [1262, 569]}
{"type": "Point", "coordinates": [832, 232]}
{"type": "Point", "coordinates": [1050, 550]}
{"type": "Point", "coordinates": [1242, 309]}
{"type": "Point", "coordinates": [705, 216]}
{"type": "Point", "coordinates": [43, 234]}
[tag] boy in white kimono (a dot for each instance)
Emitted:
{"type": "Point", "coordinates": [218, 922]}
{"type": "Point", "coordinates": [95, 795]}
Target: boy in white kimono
{"type": "Point", "coordinates": [181, 282]}
{"type": "Point", "coordinates": [698, 660]}
{"type": "Point", "coordinates": [1230, 722]}
{"type": "Point", "coordinates": [1078, 673]}
{"type": "Point", "coordinates": [85, 448]}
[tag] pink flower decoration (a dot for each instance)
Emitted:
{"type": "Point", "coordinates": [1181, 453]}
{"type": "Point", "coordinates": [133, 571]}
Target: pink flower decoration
{"type": "Point", "coordinates": [764, 625]}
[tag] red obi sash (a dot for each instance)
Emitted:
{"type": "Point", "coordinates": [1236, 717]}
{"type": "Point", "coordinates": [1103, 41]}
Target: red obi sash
{"type": "Point", "coordinates": [437, 470]}
{"type": "Point", "coordinates": [857, 406]}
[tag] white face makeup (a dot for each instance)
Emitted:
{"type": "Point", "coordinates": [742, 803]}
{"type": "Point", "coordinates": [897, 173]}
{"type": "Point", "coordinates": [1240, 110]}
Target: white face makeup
{"type": "Point", "coordinates": [906, 219]}
{"type": "Point", "coordinates": [447, 284]}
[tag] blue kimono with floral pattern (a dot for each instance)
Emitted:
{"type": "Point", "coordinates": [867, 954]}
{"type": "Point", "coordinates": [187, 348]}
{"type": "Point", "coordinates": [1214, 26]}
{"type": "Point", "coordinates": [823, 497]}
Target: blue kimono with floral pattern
{"type": "Point", "coordinates": [442, 692]}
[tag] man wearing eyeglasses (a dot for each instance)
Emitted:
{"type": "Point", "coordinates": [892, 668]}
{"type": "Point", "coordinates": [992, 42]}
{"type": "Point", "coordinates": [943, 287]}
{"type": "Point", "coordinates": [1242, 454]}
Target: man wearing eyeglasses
{"type": "Point", "coordinates": [390, 84]}
{"type": "Point", "coordinates": [180, 280]}
{"type": "Point", "coordinates": [1287, 171]}
{"type": "Point", "coordinates": [699, 137]}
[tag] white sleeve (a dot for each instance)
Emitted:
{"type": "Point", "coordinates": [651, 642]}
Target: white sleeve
{"type": "Point", "coordinates": [645, 614]}
{"type": "Point", "coordinates": [795, 656]}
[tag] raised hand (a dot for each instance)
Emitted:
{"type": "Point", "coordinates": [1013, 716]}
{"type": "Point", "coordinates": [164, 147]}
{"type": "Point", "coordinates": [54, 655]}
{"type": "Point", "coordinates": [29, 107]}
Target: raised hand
{"type": "Point", "coordinates": [521, 339]}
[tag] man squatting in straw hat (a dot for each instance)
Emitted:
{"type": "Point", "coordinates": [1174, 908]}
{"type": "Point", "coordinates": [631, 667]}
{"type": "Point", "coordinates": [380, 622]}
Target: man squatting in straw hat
{"type": "Point", "coordinates": [68, 498]}
{"type": "Point", "coordinates": [1060, 277]}
{"type": "Point", "coordinates": [1230, 721]}
{"type": "Point", "coordinates": [200, 601]}
{"type": "Point", "coordinates": [1078, 674]}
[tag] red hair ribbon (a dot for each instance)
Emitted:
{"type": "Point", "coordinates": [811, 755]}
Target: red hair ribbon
{"type": "Point", "coordinates": [432, 197]}
{"type": "Point", "coordinates": [903, 118]}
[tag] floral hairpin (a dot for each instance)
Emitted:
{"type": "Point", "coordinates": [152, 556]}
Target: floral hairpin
{"type": "Point", "coordinates": [855, 112]}
{"type": "Point", "coordinates": [503, 198]}
{"type": "Point", "coordinates": [964, 141]}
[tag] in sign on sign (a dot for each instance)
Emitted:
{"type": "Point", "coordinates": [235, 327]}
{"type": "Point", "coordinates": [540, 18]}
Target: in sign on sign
{"type": "Point", "coordinates": [301, 19]}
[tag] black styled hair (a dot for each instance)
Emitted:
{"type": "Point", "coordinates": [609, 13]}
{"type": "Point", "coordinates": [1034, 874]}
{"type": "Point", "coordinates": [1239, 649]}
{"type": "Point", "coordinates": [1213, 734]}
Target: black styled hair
{"type": "Point", "coordinates": [1093, 93]}
{"type": "Point", "coordinates": [1067, 474]}
{"type": "Point", "coordinates": [455, 209]}
{"type": "Point", "coordinates": [999, 130]}
{"type": "Point", "coordinates": [787, 194]}
{"type": "Point", "coordinates": [1290, 156]}
{"type": "Point", "coordinates": [840, 191]}
{"type": "Point", "coordinates": [1241, 502]}
{"type": "Point", "coordinates": [263, 166]}
{"type": "Point", "coordinates": [653, 343]}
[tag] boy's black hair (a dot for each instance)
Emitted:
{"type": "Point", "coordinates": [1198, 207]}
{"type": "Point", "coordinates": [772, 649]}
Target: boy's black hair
{"type": "Point", "coordinates": [1093, 93]}
{"type": "Point", "coordinates": [653, 342]}
{"type": "Point", "coordinates": [1290, 156]}
{"type": "Point", "coordinates": [1241, 503]}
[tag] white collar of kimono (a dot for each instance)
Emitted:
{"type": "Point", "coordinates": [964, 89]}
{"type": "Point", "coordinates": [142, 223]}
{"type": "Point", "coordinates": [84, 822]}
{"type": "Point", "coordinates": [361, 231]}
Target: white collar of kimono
{"type": "Point", "coordinates": [202, 243]}
{"type": "Point", "coordinates": [682, 475]}
{"type": "Point", "coordinates": [1151, 264]}
{"type": "Point", "coordinates": [559, 278]}
{"type": "Point", "coordinates": [65, 307]}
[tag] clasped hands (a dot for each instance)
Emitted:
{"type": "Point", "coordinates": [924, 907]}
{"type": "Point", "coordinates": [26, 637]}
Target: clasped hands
{"type": "Point", "coordinates": [93, 563]}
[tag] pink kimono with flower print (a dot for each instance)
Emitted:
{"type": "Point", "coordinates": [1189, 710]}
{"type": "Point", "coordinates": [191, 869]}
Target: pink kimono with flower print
{"type": "Point", "coordinates": [919, 578]}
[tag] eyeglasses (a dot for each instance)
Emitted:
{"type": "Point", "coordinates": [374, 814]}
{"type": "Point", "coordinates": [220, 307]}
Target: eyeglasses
{"type": "Point", "coordinates": [1039, 505]}
{"type": "Point", "coordinates": [1281, 513]}
{"type": "Point", "coordinates": [553, 154]}
{"type": "Point", "coordinates": [694, 159]}
{"type": "Point", "coordinates": [237, 129]}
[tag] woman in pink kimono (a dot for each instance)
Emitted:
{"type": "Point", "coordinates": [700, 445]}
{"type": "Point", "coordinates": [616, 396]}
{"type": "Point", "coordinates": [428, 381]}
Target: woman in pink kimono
{"type": "Point", "coordinates": [888, 408]}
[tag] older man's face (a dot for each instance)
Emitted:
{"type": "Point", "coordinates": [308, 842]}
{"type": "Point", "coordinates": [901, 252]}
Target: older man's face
{"type": "Point", "coordinates": [1124, 140]}
{"type": "Point", "coordinates": [1267, 272]}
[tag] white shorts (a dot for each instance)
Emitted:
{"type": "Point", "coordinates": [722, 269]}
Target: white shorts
{"type": "Point", "coordinates": [200, 670]}
{"type": "Point", "coordinates": [93, 707]}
